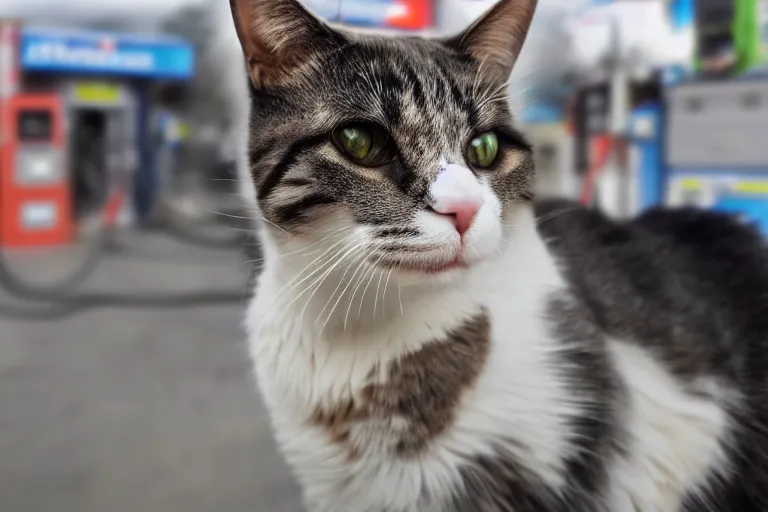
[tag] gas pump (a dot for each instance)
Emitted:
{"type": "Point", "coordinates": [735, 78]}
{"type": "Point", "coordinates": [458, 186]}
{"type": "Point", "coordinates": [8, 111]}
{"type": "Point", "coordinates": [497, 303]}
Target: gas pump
{"type": "Point", "coordinates": [646, 155]}
{"type": "Point", "coordinates": [35, 197]}
{"type": "Point", "coordinates": [590, 122]}
{"type": "Point", "coordinates": [723, 168]}
{"type": "Point", "coordinates": [597, 147]}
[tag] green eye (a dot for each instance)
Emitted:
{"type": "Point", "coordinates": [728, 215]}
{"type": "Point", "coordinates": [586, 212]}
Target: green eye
{"type": "Point", "coordinates": [483, 149]}
{"type": "Point", "coordinates": [364, 144]}
{"type": "Point", "coordinates": [356, 141]}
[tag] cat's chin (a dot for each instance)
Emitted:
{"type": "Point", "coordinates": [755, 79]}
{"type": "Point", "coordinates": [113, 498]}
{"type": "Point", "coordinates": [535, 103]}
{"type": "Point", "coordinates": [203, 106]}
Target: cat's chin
{"type": "Point", "coordinates": [417, 273]}
{"type": "Point", "coordinates": [420, 266]}
{"type": "Point", "coordinates": [431, 270]}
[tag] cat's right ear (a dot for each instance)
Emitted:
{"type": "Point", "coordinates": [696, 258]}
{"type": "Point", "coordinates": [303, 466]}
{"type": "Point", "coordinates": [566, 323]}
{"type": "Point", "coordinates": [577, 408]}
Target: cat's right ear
{"type": "Point", "coordinates": [496, 38]}
{"type": "Point", "coordinates": [278, 38]}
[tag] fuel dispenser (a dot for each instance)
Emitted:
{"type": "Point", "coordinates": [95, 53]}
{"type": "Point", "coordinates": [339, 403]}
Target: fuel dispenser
{"type": "Point", "coordinates": [592, 138]}
{"type": "Point", "coordinates": [599, 153]}
{"type": "Point", "coordinates": [35, 197]}
{"type": "Point", "coordinates": [716, 154]}
{"type": "Point", "coordinates": [646, 155]}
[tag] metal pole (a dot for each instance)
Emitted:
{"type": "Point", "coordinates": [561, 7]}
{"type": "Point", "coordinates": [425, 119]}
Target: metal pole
{"type": "Point", "coordinates": [619, 114]}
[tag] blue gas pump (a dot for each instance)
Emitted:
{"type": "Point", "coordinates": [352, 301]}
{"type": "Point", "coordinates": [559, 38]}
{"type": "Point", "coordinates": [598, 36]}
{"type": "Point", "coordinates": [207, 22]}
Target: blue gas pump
{"type": "Point", "coordinates": [646, 133]}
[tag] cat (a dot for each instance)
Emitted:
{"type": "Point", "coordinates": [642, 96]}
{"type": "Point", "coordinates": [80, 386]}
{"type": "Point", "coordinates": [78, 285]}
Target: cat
{"type": "Point", "coordinates": [427, 338]}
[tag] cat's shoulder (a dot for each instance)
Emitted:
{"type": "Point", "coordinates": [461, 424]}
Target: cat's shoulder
{"type": "Point", "coordinates": [681, 239]}
{"type": "Point", "coordinates": [666, 270]}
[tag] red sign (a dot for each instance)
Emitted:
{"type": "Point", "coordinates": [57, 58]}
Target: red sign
{"type": "Point", "coordinates": [396, 14]}
{"type": "Point", "coordinates": [410, 14]}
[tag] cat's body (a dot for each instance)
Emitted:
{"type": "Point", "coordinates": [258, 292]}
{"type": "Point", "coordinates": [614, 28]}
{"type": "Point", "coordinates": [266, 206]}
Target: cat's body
{"type": "Point", "coordinates": [563, 394]}
{"type": "Point", "coordinates": [426, 342]}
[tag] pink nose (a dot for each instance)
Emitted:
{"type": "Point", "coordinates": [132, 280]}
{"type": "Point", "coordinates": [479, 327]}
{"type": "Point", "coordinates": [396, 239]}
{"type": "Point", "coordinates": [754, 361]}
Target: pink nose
{"type": "Point", "coordinates": [457, 194]}
{"type": "Point", "coordinates": [462, 213]}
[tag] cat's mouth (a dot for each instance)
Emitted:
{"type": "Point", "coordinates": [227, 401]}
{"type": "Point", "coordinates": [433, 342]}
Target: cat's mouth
{"type": "Point", "coordinates": [423, 267]}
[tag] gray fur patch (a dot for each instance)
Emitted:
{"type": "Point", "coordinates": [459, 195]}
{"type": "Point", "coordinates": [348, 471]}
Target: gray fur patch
{"type": "Point", "coordinates": [422, 389]}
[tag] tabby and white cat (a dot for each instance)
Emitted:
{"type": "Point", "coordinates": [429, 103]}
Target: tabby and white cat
{"type": "Point", "coordinates": [425, 343]}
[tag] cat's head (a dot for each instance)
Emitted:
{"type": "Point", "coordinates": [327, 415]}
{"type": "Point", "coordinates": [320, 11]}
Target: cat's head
{"type": "Point", "coordinates": [396, 152]}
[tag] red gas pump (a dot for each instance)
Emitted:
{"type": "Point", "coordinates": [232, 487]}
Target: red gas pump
{"type": "Point", "coordinates": [35, 197]}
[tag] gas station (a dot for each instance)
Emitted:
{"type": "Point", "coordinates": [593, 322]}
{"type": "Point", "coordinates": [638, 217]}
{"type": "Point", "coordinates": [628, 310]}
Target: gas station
{"type": "Point", "coordinates": [671, 110]}
{"type": "Point", "coordinates": [88, 398]}
{"type": "Point", "coordinates": [74, 114]}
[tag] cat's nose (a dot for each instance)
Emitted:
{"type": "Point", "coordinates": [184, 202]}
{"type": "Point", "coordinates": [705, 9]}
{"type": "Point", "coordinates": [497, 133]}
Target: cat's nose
{"type": "Point", "coordinates": [458, 195]}
{"type": "Point", "coordinates": [461, 214]}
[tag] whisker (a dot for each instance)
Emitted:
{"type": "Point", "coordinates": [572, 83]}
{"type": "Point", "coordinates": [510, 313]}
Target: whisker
{"type": "Point", "coordinates": [354, 292]}
{"type": "Point", "coordinates": [370, 280]}
{"type": "Point", "coordinates": [384, 295]}
{"type": "Point", "coordinates": [352, 252]}
{"type": "Point", "coordinates": [371, 270]}
{"type": "Point", "coordinates": [271, 223]}
{"type": "Point", "coordinates": [332, 233]}
{"type": "Point", "coordinates": [307, 267]}
{"type": "Point", "coordinates": [320, 269]}
{"type": "Point", "coordinates": [376, 297]}
{"type": "Point", "coordinates": [360, 263]}
{"type": "Point", "coordinates": [229, 215]}
{"type": "Point", "coordinates": [556, 214]}
{"type": "Point", "coordinates": [297, 251]}
{"type": "Point", "coordinates": [358, 258]}
{"type": "Point", "coordinates": [317, 284]}
{"type": "Point", "coordinates": [319, 281]}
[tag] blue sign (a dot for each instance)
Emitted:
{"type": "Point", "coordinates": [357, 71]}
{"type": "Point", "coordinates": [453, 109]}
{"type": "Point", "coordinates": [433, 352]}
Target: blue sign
{"type": "Point", "coordinates": [105, 54]}
{"type": "Point", "coordinates": [539, 113]}
{"type": "Point", "coordinates": [682, 13]}
{"type": "Point", "coordinates": [329, 10]}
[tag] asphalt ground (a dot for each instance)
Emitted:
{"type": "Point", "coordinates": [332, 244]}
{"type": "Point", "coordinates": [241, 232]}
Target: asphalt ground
{"type": "Point", "coordinates": [149, 409]}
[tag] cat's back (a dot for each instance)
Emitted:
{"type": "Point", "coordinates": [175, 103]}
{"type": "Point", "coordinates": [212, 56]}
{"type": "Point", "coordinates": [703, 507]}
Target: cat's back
{"type": "Point", "coordinates": [690, 289]}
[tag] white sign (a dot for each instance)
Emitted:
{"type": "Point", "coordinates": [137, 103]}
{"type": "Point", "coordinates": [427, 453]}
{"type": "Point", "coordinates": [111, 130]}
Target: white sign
{"type": "Point", "coordinates": [38, 215]}
{"type": "Point", "coordinates": [645, 33]}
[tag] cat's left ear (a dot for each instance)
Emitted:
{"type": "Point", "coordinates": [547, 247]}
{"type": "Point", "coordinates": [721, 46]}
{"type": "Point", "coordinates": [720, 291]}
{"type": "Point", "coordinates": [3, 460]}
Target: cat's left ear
{"type": "Point", "coordinates": [497, 37]}
{"type": "Point", "coordinates": [279, 37]}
